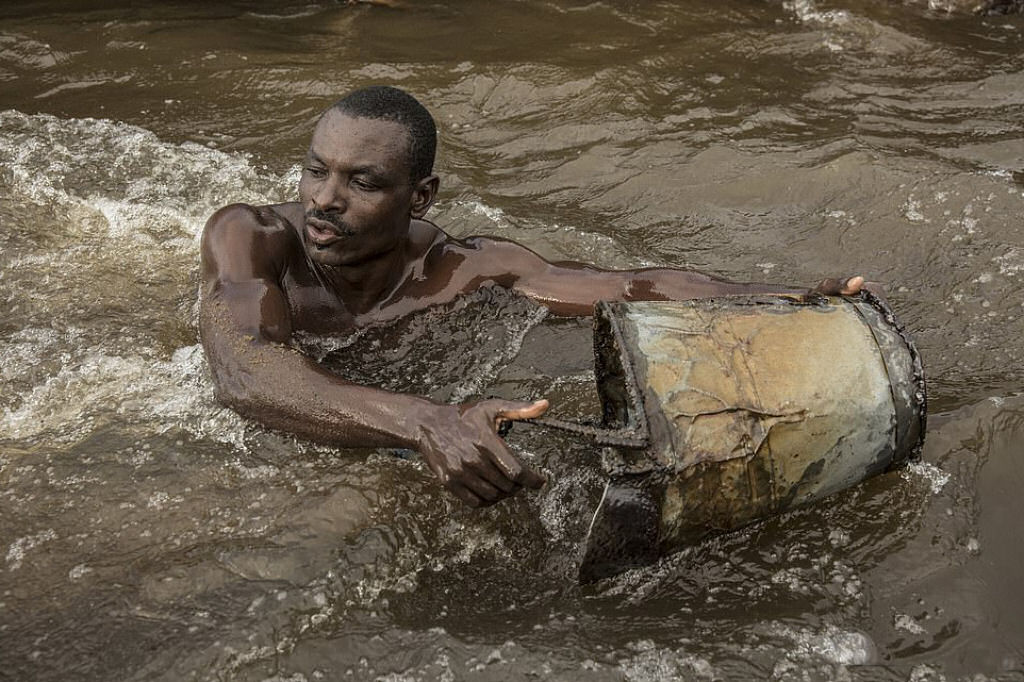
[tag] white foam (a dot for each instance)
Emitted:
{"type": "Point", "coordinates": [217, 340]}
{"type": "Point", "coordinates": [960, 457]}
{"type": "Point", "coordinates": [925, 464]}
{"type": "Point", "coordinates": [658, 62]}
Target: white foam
{"type": "Point", "coordinates": [807, 12]}
{"type": "Point", "coordinates": [902, 621]}
{"type": "Point", "coordinates": [20, 547]}
{"type": "Point", "coordinates": [1010, 263]}
{"type": "Point", "coordinates": [175, 393]}
{"type": "Point", "coordinates": [926, 673]}
{"type": "Point", "coordinates": [492, 213]}
{"type": "Point", "coordinates": [830, 644]}
{"type": "Point", "coordinates": [127, 174]}
{"type": "Point", "coordinates": [911, 210]}
{"type": "Point", "coordinates": [78, 572]}
{"type": "Point", "coordinates": [935, 477]}
{"type": "Point", "coordinates": [652, 663]}
{"type": "Point", "coordinates": [116, 185]}
{"type": "Point", "coordinates": [24, 349]}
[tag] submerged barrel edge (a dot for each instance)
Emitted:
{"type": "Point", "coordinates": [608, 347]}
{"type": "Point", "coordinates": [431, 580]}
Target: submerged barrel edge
{"type": "Point", "coordinates": [623, 533]}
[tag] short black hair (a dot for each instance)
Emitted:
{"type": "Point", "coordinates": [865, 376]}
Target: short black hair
{"type": "Point", "coordinates": [385, 103]}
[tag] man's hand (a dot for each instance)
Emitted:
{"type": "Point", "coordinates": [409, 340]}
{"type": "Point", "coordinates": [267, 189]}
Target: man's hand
{"type": "Point", "coordinates": [839, 287]}
{"type": "Point", "coordinates": [851, 286]}
{"type": "Point", "coordinates": [461, 446]}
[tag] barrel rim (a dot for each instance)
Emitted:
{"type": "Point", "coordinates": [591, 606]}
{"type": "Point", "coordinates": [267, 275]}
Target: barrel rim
{"type": "Point", "coordinates": [921, 393]}
{"type": "Point", "coordinates": [636, 433]}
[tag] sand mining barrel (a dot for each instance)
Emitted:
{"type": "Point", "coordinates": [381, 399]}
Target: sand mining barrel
{"type": "Point", "coordinates": [732, 409]}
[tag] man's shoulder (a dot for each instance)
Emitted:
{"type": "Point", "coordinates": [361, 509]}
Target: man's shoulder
{"type": "Point", "coordinates": [481, 246]}
{"type": "Point", "coordinates": [486, 258]}
{"type": "Point", "coordinates": [261, 235]}
{"type": "Point", "coordinates": [498, 250]}
{"type": "Point", "coordinates": [269, 220]}
{"type": "Point", "coordinates": [243, 227]}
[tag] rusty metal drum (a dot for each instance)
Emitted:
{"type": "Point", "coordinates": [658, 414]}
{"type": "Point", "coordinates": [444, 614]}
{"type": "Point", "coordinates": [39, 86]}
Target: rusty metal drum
{"type": "Point", "coordinates": [724, 411]}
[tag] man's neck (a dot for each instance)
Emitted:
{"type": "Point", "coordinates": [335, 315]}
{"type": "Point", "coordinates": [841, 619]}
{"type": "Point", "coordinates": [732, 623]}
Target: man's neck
{"type": "Point", "coordinates": [365, 286]}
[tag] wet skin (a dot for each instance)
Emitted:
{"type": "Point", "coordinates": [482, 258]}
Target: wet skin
{"type": "Point", "coordinates": [355, 250]}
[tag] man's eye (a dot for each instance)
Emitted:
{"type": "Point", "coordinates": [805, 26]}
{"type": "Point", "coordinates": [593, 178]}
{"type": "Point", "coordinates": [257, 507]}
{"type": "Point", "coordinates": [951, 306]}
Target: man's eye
{"type": "Point", "coordinates": [316, 172]}
{"type": "Point", "coordinates": [364, 185]}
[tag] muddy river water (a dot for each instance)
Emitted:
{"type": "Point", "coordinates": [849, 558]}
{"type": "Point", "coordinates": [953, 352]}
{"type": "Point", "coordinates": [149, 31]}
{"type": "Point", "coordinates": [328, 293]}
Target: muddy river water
{"type": "Point", "coordinates": [148, 534]}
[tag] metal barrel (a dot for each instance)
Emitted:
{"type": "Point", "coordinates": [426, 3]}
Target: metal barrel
{"type": "Point", "coordinates": [731, 409]}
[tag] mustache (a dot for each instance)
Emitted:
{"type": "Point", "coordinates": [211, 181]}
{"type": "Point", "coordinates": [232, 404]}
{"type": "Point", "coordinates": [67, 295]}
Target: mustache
{"type": "Point", "coordinates": [332, 218]}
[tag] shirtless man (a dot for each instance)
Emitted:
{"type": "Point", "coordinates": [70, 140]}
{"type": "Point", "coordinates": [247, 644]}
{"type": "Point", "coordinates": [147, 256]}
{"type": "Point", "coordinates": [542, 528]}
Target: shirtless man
{"type": "Point", "coordinates": [354, 250]}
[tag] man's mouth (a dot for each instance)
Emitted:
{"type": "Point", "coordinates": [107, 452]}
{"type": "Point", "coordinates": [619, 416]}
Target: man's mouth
{"type": "Point", "coordinates": [324, 233]}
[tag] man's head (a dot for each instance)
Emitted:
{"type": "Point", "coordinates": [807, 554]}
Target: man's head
{"type": "Point", "coordinates": [384, 103]}
{"type": "Point", "coordinates": [368, 172]}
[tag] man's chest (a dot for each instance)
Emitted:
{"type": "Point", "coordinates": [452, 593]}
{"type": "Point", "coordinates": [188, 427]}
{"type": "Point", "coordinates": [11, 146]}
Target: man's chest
{"type": "Point", "coordinates": [317, 308]}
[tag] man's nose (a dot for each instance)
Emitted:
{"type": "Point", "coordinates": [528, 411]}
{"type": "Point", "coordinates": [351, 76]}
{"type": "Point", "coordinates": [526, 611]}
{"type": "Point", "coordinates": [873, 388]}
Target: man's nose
{"type": "Point", "coordinates": [328, 195]}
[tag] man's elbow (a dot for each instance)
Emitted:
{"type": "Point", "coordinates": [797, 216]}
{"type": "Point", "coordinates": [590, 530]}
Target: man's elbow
{"type": "Point", "coordinates": [231, 397]}
{"type": "Point", "coordinates": [237, 394]}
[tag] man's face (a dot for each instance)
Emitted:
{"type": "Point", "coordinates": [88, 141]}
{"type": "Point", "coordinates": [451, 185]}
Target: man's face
{"type": "Point", "coordinates": [356, 191]}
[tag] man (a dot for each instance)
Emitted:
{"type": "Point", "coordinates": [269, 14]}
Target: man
{"type": "Point", "coordinates": [355, 249]}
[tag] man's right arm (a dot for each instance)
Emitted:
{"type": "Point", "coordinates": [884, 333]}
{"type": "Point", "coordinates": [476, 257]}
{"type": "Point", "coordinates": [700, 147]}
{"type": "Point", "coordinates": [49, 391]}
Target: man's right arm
{"type": "Point", "coordinates": [245, 326]}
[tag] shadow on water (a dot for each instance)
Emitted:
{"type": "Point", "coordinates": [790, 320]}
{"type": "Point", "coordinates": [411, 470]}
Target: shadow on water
{"type": "Point", "coordinates": [147, 533]}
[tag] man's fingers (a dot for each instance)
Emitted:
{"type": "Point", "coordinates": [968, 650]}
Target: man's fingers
{"type": "Point", "coordinates": [506, 461]}
{"type": "Point", "coordinates": [490, 473]}
{"type": "Point", "coordinates": [467, 495]}
{"type": "Point", "coordinates": [478, 467]}
{"type": "Point", "coordinates": [514, 469]}
{"type": "Point", "coordinates": [852, 286]}
{"type": "Point", "coordinates": [827, 287]}
{"type": "Point", "coordinates": [531, 479]}
{"type": "Point", "coordinates": [482, 489]}
{"type": "Point", "coordinates": [468, 485]}
{"type": "Point", "coordinates": [839, 287]}
{"type": "Point", "coordinates": [527, 411]}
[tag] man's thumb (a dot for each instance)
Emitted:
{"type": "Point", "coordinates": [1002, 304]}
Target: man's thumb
{"type": "Point", "coordinates": [524, 410]}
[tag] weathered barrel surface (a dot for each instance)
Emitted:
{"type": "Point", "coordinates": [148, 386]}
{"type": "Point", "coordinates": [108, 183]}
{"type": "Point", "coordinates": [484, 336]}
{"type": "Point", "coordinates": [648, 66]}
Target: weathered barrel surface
{"type": "Point", "coordinates": [742, 407]}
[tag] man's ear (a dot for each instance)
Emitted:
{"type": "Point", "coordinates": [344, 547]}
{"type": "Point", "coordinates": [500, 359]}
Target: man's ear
{"type": "Point", "coordinates": [423, 194]}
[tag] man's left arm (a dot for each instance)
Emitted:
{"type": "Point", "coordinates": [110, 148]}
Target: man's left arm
{"type": "Point", "coordinates": [569, 288]}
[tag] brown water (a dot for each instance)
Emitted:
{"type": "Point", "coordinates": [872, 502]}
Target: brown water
{"type": "Point", "coordinates": [146, 533]}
